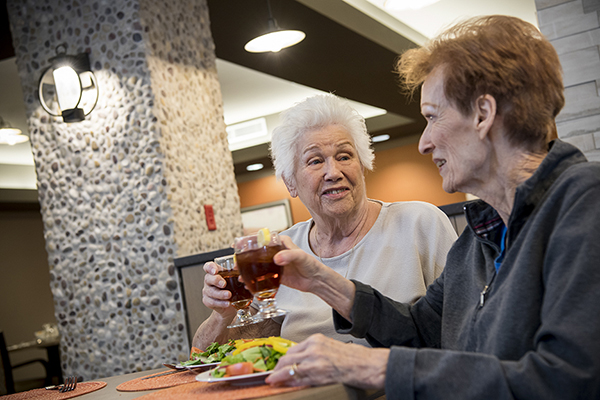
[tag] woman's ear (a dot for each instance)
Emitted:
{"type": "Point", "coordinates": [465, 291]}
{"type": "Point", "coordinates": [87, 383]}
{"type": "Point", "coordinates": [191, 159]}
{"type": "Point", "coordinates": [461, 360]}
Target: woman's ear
{"type": "Point", "coordinates": [291, 187]}
{"type": "Point", "coordinates": [485, 114]}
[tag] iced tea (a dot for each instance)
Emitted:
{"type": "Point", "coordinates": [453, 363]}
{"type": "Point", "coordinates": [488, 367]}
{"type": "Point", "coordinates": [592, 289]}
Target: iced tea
{"type": "Point", "coordinates": [240, 297]}
{"type": "Point", "coordinates": [259, 271]}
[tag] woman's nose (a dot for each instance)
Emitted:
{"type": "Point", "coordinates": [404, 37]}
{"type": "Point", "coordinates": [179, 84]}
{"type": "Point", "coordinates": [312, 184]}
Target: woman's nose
{"type": "Point", "coordinates": [332, 170]}
{"type": "Point", "coordinates": [425, 145]}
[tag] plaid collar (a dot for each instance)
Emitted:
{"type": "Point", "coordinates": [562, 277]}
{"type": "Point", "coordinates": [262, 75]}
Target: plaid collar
{"type": "Point", "coordinates": [485, 229]}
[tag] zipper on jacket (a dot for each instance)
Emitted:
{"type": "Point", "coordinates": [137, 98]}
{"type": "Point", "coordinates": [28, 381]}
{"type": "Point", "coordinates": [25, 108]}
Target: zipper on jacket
{"type": "Point", "coordinates": [482, 295]}
{"type": "Point", "coordinates": [485, 291]}
{"type": "Point", "coordinates": [487, 242]}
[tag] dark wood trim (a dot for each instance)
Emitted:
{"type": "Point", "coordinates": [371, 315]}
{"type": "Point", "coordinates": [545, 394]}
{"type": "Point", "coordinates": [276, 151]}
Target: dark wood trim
{"type": "Point", "coordinates": [18, 196]}
{"type": "Point", "coordinates": [201, 258]}
{"type": "Point", "coordinates": [19, 207]}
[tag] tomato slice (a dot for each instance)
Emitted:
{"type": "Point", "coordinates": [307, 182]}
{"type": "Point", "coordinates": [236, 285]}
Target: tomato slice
{"type": "Point", "coordinates": [195, 350]}
{"type": "Point", "coordinates": [243, 368]}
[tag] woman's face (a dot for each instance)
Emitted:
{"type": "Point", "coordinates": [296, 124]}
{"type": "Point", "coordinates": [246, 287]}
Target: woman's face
{"type": "Point", "coordinates": [451, 138]}
{"type": "Point", "coordinates": [329, 176]}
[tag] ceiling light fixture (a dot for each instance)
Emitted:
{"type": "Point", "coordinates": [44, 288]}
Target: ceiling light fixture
{"type": "Point", "coordinates": [10, 135]}
{"type": "Point", "coordinates": [275, 39]}
{"type": "Point", "coordinates": [255, 167]}
{"type": "Point", "coordinates": [68, 89]}
{"type": "Point", "coordinates": [380, 138]}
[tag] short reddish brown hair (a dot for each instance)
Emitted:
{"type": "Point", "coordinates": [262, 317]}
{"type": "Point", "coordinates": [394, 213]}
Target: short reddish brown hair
{"type": "Point", "coordinates": [503, 56]}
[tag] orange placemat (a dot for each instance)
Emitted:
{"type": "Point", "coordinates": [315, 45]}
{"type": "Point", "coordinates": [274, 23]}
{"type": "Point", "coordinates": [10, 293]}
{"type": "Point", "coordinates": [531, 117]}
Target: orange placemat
{"type": "Point", "coordinates": [43, 394]}
{"type": "Point", "coordinates": [160, 382]}
{"type": "Point", "coordinates": [217, 391]}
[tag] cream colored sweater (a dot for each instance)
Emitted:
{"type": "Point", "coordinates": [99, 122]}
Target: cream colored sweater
{"type": "Point", "coordinates": [400, 256]}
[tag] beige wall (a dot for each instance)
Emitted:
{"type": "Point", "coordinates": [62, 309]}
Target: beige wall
{"type": "Point", "coordinates": [400, 174]}
{"type": "Point", "coordinates": [403, 174]}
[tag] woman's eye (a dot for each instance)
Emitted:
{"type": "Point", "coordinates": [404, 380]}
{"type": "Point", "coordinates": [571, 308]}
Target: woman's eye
{"type": "Point", "coordinates": [314, 162]}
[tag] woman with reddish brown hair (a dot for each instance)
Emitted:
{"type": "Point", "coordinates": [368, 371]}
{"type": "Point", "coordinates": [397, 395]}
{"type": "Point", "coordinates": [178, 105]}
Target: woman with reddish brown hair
{"type": "Point", "coordinates": [514, 314]}
{"type": "Point", "coordinates": [523, 76]}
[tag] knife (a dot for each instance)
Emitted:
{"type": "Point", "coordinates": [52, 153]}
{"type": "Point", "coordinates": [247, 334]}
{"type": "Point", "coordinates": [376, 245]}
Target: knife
{"type": "Point", "coordinates": [164, 374]}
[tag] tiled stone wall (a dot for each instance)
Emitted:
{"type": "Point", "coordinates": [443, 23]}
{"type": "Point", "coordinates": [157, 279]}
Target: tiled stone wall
{"type": "Point", "coordinates": [121, 193]}
{"type": "Point", "coordinates": [573, 27]}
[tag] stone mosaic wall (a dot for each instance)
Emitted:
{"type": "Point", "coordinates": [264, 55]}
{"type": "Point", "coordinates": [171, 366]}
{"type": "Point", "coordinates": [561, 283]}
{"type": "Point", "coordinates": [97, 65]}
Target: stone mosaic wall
{"type": "Point", "coordinates": [573, 27]}
{"type": "Point", "coordinates": [188, 104]}
{"type": "Point", "coordinates": [121, 193]}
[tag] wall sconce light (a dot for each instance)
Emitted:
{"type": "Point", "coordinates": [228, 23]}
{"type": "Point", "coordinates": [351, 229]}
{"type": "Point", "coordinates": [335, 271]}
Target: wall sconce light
{"type": "Point", "coordinates": [10, 135]}
{"type": "Point", "coordinates": [275, 39]}
{"type": "Point", "coordinates": [68, 88]}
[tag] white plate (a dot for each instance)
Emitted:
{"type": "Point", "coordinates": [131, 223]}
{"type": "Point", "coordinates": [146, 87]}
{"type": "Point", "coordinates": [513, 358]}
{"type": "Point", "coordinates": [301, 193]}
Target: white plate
{"type": "Point", "coordinates": [201, 367]}
{"type": "Point", "coordinates": [191, 367]}
{"type": "Point", "coordinates": [249, 379]}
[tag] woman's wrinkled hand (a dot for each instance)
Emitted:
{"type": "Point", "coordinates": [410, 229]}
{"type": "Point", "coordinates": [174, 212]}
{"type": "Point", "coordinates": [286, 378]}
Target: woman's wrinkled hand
{"type": "Point", "coordinates": [320, 360]}
{"type": "Point", "coordinates": [213, 295]}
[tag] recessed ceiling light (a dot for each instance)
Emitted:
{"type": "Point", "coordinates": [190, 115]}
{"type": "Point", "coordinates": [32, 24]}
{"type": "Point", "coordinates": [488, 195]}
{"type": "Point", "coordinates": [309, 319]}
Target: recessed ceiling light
{"type": "Point", "coordinates": [254, 167]}
{"type": "Point", "coordinates": [380, 138]}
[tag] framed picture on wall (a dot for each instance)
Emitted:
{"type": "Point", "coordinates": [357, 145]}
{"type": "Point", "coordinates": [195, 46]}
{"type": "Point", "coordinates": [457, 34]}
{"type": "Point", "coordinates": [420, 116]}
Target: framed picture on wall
{"type": "Point", "coordinates": [276, 215]}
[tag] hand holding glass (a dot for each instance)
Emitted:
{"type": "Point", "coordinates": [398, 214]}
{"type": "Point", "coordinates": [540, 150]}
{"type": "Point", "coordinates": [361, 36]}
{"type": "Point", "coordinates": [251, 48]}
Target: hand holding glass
{"type": "Point", "coordinates": [240, 297]}
{"type": "Point", "coordinates": [259, 272]}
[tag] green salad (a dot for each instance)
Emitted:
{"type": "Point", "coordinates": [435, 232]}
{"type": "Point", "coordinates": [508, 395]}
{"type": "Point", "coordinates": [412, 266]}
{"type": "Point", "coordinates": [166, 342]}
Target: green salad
{"type": "Point", "coordinates": [214, 353]}
{"type": "Point", "coordinates": [255, 359]}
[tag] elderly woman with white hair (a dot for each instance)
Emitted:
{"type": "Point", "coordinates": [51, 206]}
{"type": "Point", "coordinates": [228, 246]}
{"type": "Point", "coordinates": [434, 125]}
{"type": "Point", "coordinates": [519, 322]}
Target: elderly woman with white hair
{"type": "Point", "coordinates": [321, 150]}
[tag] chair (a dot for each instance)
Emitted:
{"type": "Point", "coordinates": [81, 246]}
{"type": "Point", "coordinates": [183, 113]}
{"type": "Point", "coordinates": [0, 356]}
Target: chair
{"type": "Point", "coordinates": [191, 280]}
{"type": "Point", "coordinates": [456, 214]}
{"type": "Point", "coordinates": [7, 382]}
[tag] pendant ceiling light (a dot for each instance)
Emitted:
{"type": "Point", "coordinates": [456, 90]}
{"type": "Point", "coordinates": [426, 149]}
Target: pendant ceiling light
{"type": "Point", "coordinates": [68, 89]}
{"type": "Point", "coordinates": [10, 135]}
{"type": "Point", "coordinates": [275, 39]}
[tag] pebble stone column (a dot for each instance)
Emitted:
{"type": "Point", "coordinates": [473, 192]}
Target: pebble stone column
{"type": "Point", "coordinates": [122, 193]}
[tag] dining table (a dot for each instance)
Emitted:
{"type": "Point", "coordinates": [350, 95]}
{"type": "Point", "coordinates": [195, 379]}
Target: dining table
{"type": "Point", "coordinates": [182, 385]}
{"type": "Point", "coordinates": [329, 392]}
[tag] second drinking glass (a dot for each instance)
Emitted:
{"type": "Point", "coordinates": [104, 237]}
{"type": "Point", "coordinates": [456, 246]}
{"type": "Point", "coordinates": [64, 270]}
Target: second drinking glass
{"type": "Point", "coordinates": [240, 297]}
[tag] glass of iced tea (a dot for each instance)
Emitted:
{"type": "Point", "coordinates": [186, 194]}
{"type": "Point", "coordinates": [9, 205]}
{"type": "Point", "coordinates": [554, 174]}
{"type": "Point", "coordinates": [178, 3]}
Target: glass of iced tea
{"type": "Point", "coordinates": [254, 258]}
{"type": "Point", "coordinates": [241, 298]}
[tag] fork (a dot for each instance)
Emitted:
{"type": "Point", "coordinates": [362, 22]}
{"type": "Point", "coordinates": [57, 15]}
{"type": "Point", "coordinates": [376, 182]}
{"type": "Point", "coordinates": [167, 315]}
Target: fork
{"type": "Point", "coordinates": [70, 384]}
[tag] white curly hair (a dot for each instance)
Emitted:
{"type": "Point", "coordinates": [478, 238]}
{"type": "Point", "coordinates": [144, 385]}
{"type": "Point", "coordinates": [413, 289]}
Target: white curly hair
{"type": "Point", "coordinates": [311, 114]}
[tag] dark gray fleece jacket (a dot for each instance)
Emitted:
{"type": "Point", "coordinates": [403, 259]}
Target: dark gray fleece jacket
{"type": "Point", "coordinates": [530, 330]}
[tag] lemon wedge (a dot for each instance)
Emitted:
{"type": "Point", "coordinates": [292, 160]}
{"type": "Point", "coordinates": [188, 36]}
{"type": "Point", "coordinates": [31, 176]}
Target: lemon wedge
{"type": "Point", "coordinates": [263, 238]}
